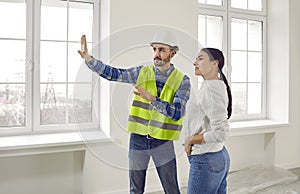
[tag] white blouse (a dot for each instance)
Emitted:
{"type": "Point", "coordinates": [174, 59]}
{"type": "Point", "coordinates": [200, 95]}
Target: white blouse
{"type": "Point", "coordinates": [206, 113]}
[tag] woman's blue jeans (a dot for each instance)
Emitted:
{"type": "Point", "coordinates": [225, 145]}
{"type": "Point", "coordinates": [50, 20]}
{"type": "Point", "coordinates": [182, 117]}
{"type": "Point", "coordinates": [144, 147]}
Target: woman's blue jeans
{"type": "Point", "coordinates": [141, 148]}
{"type": "Point", "coordinates": [208, 173]}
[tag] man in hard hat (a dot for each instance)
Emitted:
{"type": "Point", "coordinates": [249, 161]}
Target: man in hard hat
{"type": "Point", "coordinates": [157, 111]}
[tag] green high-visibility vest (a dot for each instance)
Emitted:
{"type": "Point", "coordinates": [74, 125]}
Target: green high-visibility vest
{"type": "Point", "coordinates": [146, 120]}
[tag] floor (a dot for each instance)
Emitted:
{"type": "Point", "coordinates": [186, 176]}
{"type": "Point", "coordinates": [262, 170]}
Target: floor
{"type": "Point", "coordinates": [296, 171]}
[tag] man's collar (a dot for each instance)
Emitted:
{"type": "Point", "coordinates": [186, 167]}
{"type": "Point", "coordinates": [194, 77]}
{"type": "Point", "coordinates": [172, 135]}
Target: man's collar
{"type": "Point", "coordinates": [167, 72]}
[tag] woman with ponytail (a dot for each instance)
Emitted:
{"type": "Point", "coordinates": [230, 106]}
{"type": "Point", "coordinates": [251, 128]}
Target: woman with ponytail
{"type": "Point", "coordinates": [207, 127]}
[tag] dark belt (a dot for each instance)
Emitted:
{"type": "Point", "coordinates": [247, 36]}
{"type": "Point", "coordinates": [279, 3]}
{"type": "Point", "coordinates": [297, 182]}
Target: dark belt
{"type": "Point", "coordinates": [147, 136]}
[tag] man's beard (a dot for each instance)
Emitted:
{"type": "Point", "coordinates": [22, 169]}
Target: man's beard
{"type": "Point", "coordinates": [161, 63]}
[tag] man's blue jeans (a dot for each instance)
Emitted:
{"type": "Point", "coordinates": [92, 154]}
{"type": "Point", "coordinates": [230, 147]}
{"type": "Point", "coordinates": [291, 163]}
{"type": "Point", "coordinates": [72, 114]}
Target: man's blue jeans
{"type": "Point", "coordinates": [141, 148]}
{"type": "Point", "coordinates": [208, 173]}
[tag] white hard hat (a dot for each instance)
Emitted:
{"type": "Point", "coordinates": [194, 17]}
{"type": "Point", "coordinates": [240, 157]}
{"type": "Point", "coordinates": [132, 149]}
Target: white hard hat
{"type": "Point", "coordinates": [167, 38]}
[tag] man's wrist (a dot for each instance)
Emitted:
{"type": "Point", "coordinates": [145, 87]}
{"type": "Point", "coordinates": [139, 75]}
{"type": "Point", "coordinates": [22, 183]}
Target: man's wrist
{"type": "Point", "coordinates": [87, 58]}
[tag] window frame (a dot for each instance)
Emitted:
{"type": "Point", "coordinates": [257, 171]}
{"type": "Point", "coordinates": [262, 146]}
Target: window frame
{"type": "Point", "coordinates": [95, 100]}
{"type": "Point", "coordinates": [32, 75]}
{"type": "Point", "coordinates": [227, 13]}
{"type": "Point", "coordinates": [263, 114]}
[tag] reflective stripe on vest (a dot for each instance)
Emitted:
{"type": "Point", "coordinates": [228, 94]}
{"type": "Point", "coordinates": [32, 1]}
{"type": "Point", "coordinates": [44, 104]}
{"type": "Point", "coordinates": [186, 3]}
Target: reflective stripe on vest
{"type": "Point", "coordinates": [145, 120]}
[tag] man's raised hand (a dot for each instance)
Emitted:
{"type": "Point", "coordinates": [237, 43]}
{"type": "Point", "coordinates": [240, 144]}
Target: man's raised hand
{"type": "Point", "coordinates": [84, 51]}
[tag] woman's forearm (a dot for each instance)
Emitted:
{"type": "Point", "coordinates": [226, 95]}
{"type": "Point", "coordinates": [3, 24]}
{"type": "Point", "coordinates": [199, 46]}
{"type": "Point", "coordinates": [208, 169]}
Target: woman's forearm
{"type": "Point", "coordinates": [197, 139]}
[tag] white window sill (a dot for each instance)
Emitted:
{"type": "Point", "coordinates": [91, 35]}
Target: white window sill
{"type": "Point", "coordinates": [47, 143]}
{"type": "Point", "coordinates": [255, 127]}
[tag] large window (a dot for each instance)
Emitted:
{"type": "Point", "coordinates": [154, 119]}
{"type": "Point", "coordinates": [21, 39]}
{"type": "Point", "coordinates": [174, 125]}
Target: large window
{"type": "Point", "coordinates": [238, 28]}
{"type": "Point", "coordinates": [43, 84]}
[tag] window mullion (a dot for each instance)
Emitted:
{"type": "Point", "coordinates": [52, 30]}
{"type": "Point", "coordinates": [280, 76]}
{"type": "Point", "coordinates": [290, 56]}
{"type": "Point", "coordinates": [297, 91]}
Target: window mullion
{"type": "Point", "coordinates": [29, 66]}
{"type": "Point", "coordinates": [67, 66]}
{"type": "Point", "coordinates": [36, 63]}
{"type": "Point", "coordinates": [96, 50]}
{"type": "Point", "coordinates": [205, 31]}
{"type": "Point", "coordinates": [228, 37]}
{"type": "Point", "coordinates": [264, 68]}
{"type": "Point", "coordinates": [247, 67]}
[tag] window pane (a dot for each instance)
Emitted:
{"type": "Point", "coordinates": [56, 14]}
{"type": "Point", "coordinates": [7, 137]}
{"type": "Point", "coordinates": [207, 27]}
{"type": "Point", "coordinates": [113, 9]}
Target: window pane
{"type": "Point", "coordinates": [238, 34]}
{"type": "Point", "coordinates": [239, 99]}
{"type": "Point", "coordinates": [80, 103]}
{"type": "Point", "coordinates": [53, 104]}
{"type": "Point", "coordinates": [239, 66]}
{"type": "Point", "coordinates": [77, 72]}
{"type": "Point", "coordinates": [254, 67]}
{"type": "Point", "coordinates": [214, 31]}
{"type": "Point", "coordinates": [255, 5]}
{"type": "Point", "coordinates": [201, 1]}
{"type": "Point", "coordinates": [255, 36]}
{"type": "Point", "coordinates": [54, 20]}
{"type": "Point", "coordinates": [53, 61]}
{"type": "Point", "coordinates": [240, 4]}
{"type": "Point", "coordinates": [254, 98]}
{"type": "Point", "coordinates": [12, 105]}
{"type": "Point", "coordinates": [201, 30]}
{"type": "Point", "coordinates": [80, 20]}
{"type": "Point", "coordinates": [215, 2]}
{"type": "Point", "coordinates": [13, 19]}
{"type": "Point", "coordinates": [13, 66]}
{"type": "Point", "coordinates": [210, 31]}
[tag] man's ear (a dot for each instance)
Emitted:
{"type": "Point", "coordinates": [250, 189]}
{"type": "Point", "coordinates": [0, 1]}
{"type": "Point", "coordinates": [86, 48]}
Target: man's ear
{"type": "Point", "coordinates": [173, 52]}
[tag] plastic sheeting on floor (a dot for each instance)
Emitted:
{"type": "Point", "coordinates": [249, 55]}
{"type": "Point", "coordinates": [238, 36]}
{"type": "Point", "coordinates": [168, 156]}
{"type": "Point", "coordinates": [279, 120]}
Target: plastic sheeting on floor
{"type": "Point", "coordinates": [263, 179]}
{"type": "Point", "coordinates": [290, 188]}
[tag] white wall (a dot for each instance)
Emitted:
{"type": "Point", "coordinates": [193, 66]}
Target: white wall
{"type": "Point", "coordinates": [58, 173]}
{"type": "Point", "coordinates": [287, 139]}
